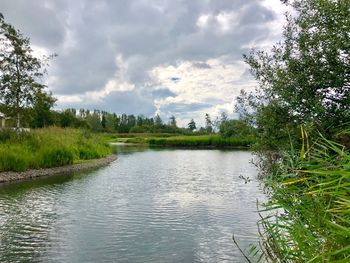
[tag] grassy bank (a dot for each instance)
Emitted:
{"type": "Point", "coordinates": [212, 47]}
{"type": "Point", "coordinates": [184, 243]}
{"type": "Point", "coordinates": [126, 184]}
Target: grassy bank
{"type": "Point", "coordinates": [49, 147]}
{"type": "Point", "coordinates": [309, 212]}
{"type": "Point", "coordinates": [201, 141]}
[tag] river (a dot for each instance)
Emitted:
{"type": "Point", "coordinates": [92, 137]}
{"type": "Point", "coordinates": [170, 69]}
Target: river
{"type": "Point", "coordinates": [148, 206]}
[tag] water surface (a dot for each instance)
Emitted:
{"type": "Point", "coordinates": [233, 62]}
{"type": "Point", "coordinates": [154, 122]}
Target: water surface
{"type": "Point", "coordinates": [148, 206]}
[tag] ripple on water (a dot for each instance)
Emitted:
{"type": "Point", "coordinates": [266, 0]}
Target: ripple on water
{"type": "Point", "coordinates": [149, 206]}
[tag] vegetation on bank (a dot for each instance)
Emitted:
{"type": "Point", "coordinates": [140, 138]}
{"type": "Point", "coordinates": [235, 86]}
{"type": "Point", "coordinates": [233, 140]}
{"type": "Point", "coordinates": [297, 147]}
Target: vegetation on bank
{"type": "Point", "coordinates": [308, 213]}
{"type": "Point", "coordinates": [49, 147]}
{"type": "Point", "coordinates": [304, 85]}
{"type": "Point", "coordinates": [215, 141]}
{"type": "Point", "coordinates": [194, 141]}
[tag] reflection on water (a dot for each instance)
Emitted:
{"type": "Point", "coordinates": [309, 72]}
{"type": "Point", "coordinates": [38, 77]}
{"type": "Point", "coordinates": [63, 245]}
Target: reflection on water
{"type": "Point", "coordinates": [148, 206]}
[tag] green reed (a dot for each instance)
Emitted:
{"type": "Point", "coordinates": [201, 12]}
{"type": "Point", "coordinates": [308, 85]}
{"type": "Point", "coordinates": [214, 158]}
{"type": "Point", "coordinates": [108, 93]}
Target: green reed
{"type": "Point", "coordinates": [201, 141]}
{"type": "Point", "coordinates": [308, 216]}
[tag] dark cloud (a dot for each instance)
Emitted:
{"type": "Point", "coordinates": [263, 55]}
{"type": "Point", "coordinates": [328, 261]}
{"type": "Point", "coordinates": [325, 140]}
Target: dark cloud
{"type": "Point", "coordinates": [201, 65]}
{"type": "Point", "coordinates": [163, 93]}
{"type": "Point", "coordinates": [42, 21]}
{"type": "Point", "coordinates": [132, 102]}
{"type": "Point", "coordinates": [185, 107]}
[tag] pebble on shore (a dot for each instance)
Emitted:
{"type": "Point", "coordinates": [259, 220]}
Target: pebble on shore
{"type": "Point", "coordinates": [62, 170]}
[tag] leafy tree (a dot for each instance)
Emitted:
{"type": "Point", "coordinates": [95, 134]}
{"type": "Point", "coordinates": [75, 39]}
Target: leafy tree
{"type": "Point", "coordinates": [140, 120]}
{"type": "Point", "coordinates": [41, 114]}
{"type": "Point", "coordinates": [215, 124]}
{"type": "Point", "coordinates": [172, 121]}
{"type": "Point", "coordinates": [67, 118]}
{"type": "Point", "coordinates": [208, 123]}
{"type": "Point", "coordinates": [123, 123]}
{"type": "Point", "coordinates": [246, 106]}
{"type": "Point", "coordinates": [103, 120]}
{"type": "Point", "coordinates": [192, 125]}
{"type": "Point", "coordinates": [94, 121]}
{"type": "Point", "coordinates": [131, 121]}
{"type": "Point", "coordinates": [308, 74]}
{"type": "Point", "coordinates": [223, 117]}
{"type": "Point", "coordinates": [111, 122]}
{"type": "Point", "coordinates": [19, 71]}
{"type": "Point", "coordinates": [158, 121]}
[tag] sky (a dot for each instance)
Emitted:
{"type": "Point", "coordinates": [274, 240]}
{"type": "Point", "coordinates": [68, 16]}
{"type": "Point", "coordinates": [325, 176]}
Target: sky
{"type": "Point", "coordinates": [167, 57]}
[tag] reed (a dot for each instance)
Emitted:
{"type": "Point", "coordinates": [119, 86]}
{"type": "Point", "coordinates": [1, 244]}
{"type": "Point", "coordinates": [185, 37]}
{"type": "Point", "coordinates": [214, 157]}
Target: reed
{"type": "Point", "coordinates": [201, 141]}
{"type": "Point", "coordinates": [308, 216]}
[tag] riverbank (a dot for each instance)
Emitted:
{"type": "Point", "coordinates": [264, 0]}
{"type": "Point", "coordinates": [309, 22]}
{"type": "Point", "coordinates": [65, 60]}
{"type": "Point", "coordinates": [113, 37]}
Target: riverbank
{"type": "Point", "coordinates": [49, 147]}
{"type": "Point", "coordinates": [198, 141]}
{"type": "Point", "coordinates": [62, 170]}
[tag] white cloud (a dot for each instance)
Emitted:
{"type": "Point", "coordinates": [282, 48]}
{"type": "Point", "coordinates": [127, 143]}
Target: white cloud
{"type": "Point", "coordinates": [222, 22]}
{"type": "Point", "coordinates": [214, 87]}
{"type": "Point", "coordinates": [202, 21]}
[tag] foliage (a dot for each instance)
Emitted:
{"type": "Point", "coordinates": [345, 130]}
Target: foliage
{"type": "Point", "coordinates": [235, 128]}
{"type": "Point", "coordinates": [307, 218]}
{"type": "Point", "coordinates": [20, 71]}
{"type": "Point", "coordinates": [191, 125]}
{"type": "Point", "coordinates": [307, 76]}
{"type": "Point", "coordinates": [202, 141]}
{"type": "Point", "coordinates": [41, 114]}
{"type": "Point", "coordinates": [172, 121]}
{"type": "Point", "coordinates": [208, 123]}
{"type": "Point", "coordinates": [48, 147]}
{"type": "Point", "coordinates": [158, 121]}
{"type": "Point", "coordinates": [304, 81]}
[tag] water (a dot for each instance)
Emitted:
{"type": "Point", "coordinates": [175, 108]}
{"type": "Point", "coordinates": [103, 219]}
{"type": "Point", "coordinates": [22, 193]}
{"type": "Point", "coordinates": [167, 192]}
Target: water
{"type": "Point", "coordinates": [148, 206]}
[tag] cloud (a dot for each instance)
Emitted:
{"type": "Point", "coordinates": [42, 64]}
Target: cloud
{"type": "Point", "coordinates": [163, 93]}
{"type": "Point", "coordinates": [172, 56]}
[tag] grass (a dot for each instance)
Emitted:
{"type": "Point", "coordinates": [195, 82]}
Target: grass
{"type": "Point", "coordinates": [308, 217]}
{"type": "Point", "coordinates": [201, 141]}
{"type": "Point", "coordinates": [49, 147]}
{"type": "Point", "coordinates": [193, 141]}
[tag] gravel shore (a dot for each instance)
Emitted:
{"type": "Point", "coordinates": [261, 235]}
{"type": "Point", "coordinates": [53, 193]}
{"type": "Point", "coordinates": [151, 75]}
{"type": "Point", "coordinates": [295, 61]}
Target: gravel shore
{"type": "Point", "coordinates": [15, 176]}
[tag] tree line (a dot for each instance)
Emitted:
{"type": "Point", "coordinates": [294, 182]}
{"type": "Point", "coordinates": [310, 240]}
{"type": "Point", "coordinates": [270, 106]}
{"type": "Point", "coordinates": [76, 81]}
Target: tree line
{"type": "Point", "coordinates": [41, 115]}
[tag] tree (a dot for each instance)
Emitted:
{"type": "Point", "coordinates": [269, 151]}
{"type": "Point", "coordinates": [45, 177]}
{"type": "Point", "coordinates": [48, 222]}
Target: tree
{"type": "Point", "coordinates": [41, 113]}
{"type": "Point", "coordinates": [94, 121]}
{"type": "Point", "coordinates": [215, 124]}
{"type": "Point", "coordinates": [308, 74]}
{"type": "Point", "coordinates": [223, 117]}
{"type": "Point", "coordinates": [67, 118]}
{"type": "Point", "coordinates": [208, 123]}
{"type": "Point", "coordinates": [172, 121]}
{"type": "Point", "coordinates": [192, 125]}
{"type": "Point", "coordinates": [19, 71]}
{"type": "Point", "coordinates": [246, 106]}
{"type": "Point", "coordinates": [103, 119]}
{"type": "Point", "coordinates": [158, 121]}
{"type": "Point", "coordinates": [111, 121]}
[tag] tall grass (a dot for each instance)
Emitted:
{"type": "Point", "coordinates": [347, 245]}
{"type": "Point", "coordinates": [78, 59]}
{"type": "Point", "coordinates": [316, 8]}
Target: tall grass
{"type": "Point", "coordinates": [308, 217]}
{"type": "Point", "coordinates": [48, 147]}
{"type": "Point", "coordinates": [201, 141]}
